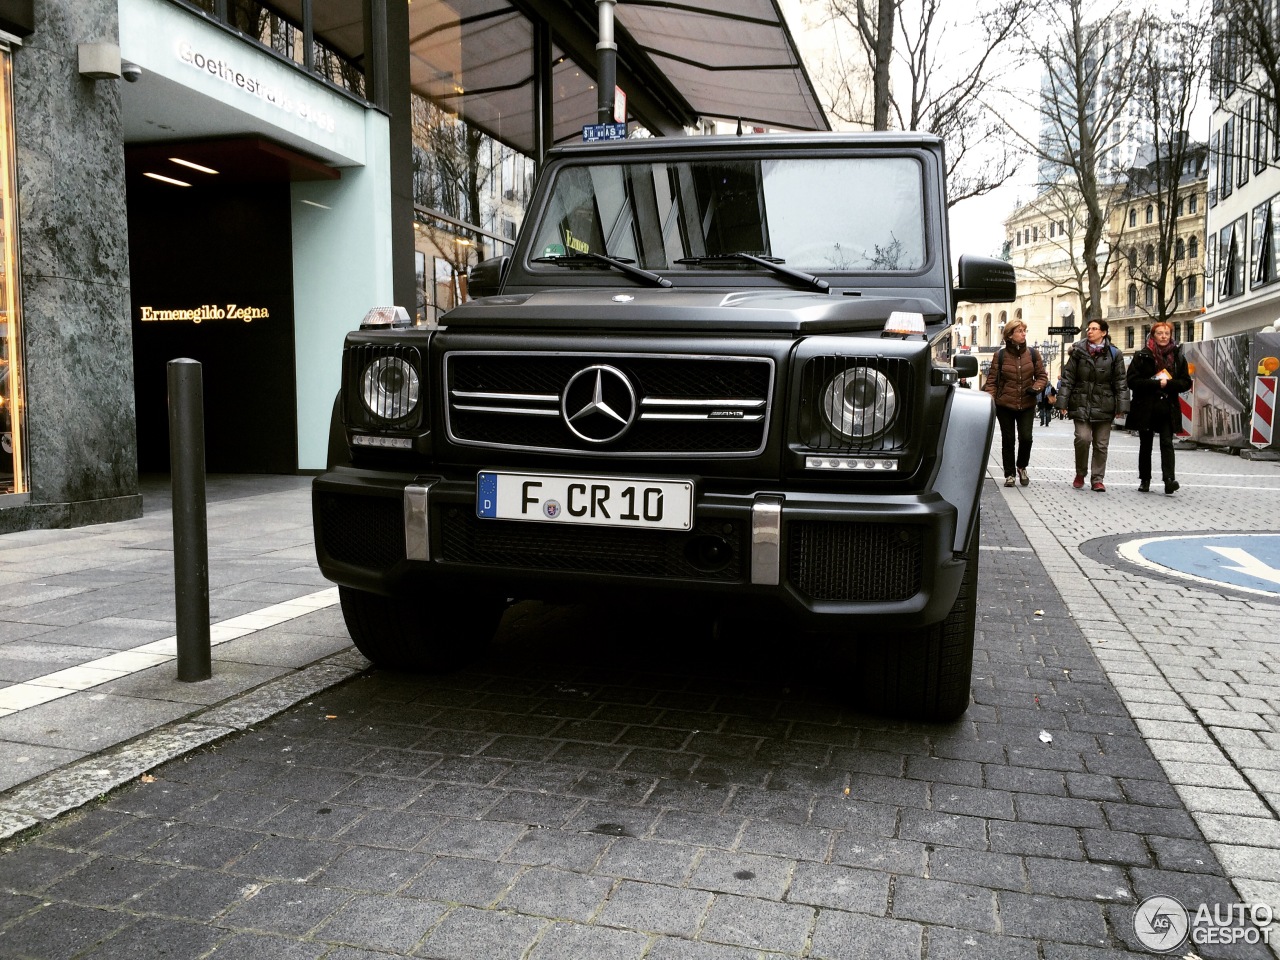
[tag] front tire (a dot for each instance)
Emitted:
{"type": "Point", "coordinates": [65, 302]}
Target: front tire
{"type": "Point", "coordinates": [430, 633]}
{"type": "Point", "coordinates": [925, 674]}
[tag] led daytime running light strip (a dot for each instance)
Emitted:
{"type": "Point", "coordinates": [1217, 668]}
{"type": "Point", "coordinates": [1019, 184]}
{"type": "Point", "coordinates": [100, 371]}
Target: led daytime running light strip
{"type": "Point", "coordinates": [400, 443]}
{"type": "Point", "coordinates": [850, 463]}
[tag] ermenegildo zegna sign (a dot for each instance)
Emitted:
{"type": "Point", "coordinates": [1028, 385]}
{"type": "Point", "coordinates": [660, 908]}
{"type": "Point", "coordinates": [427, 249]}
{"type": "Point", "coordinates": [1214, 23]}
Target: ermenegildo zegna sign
{"type": "Point", "coordinates": [232, 311]}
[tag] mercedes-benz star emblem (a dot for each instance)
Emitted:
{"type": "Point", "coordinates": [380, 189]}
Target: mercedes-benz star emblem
{"type": "Point", "coordinates": [598, 403]}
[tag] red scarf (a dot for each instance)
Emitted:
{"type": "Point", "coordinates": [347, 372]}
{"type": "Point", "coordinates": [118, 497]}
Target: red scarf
{"type": "Point", "coordinates": [1166, 357]}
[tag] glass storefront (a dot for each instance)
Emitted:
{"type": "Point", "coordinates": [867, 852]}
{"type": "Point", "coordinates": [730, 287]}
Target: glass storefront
{"type": "Point", "coordinates": [13, 478]}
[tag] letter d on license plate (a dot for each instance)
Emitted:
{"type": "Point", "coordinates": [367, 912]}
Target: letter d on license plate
{"type": "Point", "coordinates": [587, 501]}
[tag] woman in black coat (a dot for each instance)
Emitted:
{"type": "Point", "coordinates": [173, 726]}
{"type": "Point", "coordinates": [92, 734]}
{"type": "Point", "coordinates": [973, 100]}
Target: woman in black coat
{"type": "Point", "coordinates": [1092, 379]}
{"type": "Point", "coordinates": [1157, 374]}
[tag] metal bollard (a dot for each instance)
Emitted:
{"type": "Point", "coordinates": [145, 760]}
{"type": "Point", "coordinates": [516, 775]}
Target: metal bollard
{"type": "Point", "coordinates": [190, 530]}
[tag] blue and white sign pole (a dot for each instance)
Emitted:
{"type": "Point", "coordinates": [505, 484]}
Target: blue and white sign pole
{"type": "Point", "coordinates": [607, 60]}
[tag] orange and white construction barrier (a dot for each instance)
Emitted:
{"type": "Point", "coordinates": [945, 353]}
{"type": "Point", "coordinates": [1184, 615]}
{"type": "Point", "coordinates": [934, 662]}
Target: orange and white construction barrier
{"type": "Point", "coordinates": [1264, 411]}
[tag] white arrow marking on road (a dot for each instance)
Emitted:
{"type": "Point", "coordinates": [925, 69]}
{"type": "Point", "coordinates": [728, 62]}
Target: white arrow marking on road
{"type": "Point", "coordinates": [1248, 564]}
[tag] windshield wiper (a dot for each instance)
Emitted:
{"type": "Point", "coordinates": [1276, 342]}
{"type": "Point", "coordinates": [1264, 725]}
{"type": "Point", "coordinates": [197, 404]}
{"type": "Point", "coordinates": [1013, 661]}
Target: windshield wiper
{"type": "Point", "coordinates": [769, 263]}
{"type": "Point", "coordinates": [626, 266]}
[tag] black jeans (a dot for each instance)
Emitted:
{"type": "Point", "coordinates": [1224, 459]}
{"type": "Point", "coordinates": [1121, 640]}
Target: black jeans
{"type": "Point", "coordinates": [1164, 427]}
{"type": "Point", "coordinates": [1024, 421]}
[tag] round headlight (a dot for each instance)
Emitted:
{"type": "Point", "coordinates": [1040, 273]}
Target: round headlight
{"type": "Point", "coordinates": [859, 403]}
{"type": "Point", "coordinates": [389, 388]}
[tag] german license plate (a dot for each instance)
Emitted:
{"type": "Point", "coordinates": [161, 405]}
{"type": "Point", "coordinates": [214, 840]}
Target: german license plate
{"type": "Point", "coordinates": [584, 500]}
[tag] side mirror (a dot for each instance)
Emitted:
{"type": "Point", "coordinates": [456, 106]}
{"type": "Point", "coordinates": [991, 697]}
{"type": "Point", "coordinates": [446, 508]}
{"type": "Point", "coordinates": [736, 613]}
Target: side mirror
{"type": "Point", "coordinates": [966, 364]}
{"type": "Point", "coordinates": [485, 278]}
{"type": "Point", "coordinates": [985, 280]}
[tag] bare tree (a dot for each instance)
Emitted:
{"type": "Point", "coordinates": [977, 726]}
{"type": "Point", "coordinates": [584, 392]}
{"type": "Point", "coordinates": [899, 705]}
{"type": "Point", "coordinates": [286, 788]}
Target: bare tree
{"type": "Point", "coordinates": [1065, 270]}
{"type": "Point", "coordinates": [1087, 57]}
{"type": "Point", "coordinates": [451, 173]}
{"type": "Point", "coordinates": [943, 89]}
{"type": "Point", "coordinates": [1171, 78]}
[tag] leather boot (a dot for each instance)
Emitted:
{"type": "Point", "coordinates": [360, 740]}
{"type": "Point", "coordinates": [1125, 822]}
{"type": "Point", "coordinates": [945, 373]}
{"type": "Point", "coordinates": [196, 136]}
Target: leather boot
{"type": "Point", "coordinates": [1170, 485]}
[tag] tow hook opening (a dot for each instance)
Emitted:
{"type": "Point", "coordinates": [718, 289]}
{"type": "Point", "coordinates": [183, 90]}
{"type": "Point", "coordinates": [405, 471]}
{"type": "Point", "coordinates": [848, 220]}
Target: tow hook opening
{"type": "Point", "coordinates": [708, 552]}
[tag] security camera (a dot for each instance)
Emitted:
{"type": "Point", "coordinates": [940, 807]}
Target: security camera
{"type": "Point", "coordinates": [130, 71]}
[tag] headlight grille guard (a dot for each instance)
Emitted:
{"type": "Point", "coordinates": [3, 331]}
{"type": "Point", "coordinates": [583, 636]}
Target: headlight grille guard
{"type": "Point", "coordinates": [356, 358]}
{"type": "Point", "coordinates": [887, 428]}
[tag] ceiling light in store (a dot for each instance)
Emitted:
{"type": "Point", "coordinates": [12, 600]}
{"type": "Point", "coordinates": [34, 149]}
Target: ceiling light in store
{"type": "Point", "coordinates": [312, 203]}
{"type": "Point", "coordinates": [163, 179]}
{"type": "Point", "coordinates": [193, 166]}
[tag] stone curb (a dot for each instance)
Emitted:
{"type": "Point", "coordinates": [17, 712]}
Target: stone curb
{"type": "Point", "coordinates": [34, 803]}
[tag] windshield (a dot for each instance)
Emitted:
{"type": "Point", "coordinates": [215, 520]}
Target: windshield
{"type": "Point", "coordinates": [823, 215]}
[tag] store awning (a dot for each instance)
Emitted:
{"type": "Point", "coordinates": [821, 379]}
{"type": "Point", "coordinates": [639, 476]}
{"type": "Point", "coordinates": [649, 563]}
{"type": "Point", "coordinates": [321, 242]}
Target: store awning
{"type": "Point", "coordinates": [677, 62]}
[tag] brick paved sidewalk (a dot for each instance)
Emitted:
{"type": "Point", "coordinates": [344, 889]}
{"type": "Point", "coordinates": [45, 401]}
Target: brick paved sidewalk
{"type": "Point", "coordinates": [1197, 667]}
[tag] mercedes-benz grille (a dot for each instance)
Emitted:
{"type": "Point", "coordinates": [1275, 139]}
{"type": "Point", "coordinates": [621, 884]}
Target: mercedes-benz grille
{"type": "Point", "coordinates": [617, 405]}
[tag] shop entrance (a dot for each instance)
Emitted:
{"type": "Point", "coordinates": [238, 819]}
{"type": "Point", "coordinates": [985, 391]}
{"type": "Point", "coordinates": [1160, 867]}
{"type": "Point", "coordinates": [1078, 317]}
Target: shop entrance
{"type": "Point", "coordinates": [212, 280]}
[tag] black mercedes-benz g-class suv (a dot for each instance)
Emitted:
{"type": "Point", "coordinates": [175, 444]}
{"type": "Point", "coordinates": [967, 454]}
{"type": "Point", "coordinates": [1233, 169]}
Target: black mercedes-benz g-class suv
{"type": "Point", "coordinates": [716, 367]}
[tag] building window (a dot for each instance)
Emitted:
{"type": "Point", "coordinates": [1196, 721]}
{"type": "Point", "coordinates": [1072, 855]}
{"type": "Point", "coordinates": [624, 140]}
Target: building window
{"type": "Point", "coordinates": [13, 408]}
{"type": "Point", "coordinates": [1193, 248]}
{"type": "Point", "coordinates": [1231, 259]}
{"type": "Point", "coordinates": [1191, 203]}
{"type": "Point", "coordinates": [1133, 218]}
{"type": "Point", "coordinates": [1264, 252]}
{"type": "Point", "coordinates": [1133, 260]}
{"type": "Point", "coordinates": [1151, 213]}
{"type": "Point", "coordinates": [1191, 288]}
{"type": "Point", "coordinates": [1210, 269]}
{"type": "Point", "coordinates": [1128, 338]}
{"type": "Point", "coordinates": [1133, 295]}
{"type": "Point", "coordinates": [1228, 157]}
{"type": "Point", "coordinates": [1244, 145]}
{"type": "Point", "coordinates": [1273, 114]}
{"type": "Point", "coordinates": [1149, 255]}
{"type": "Point", "coordinates": [1212, 183]}
{"type": "Point", "coordinates": [1177, 291]}
{"type": "Point", "coordinates": [1179, 249]}
{"type": "Point", "coordinates": [1259, 135]}
{"type": "Point", "coordinates": [1148, 295]}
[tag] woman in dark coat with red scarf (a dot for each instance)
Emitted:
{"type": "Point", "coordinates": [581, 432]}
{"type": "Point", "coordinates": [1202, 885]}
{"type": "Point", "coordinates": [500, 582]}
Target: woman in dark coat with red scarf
{"type": "Point", "coordinates": [1157, 374]}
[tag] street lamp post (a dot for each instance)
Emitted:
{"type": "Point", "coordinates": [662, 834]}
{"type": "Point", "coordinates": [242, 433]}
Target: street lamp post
{"type": "Point", "coordinates": [1046, 348]}
{"type": "Point", "coordinates": [1067, 314]}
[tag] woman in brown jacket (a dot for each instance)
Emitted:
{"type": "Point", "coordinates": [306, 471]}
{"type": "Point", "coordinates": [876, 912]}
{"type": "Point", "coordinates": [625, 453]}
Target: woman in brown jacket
{"type": "Point", "coordinates": [1016, 376]}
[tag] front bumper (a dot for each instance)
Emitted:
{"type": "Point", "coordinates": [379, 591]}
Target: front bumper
{"type": "Point", "coordinates": [821, 558]}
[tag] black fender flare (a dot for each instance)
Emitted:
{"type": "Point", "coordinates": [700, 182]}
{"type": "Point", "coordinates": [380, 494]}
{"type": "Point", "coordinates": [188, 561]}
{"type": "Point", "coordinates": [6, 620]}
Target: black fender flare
{"type": "Point", "coordinates": [339, 450]}
{"type": "Point", "coordinates": [966, 434]}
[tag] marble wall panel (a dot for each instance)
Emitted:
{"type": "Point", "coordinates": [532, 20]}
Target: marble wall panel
{"type": "Point", "coordinates": [82, 451]}
{"type": "Point", "coordinates": [81, 438]}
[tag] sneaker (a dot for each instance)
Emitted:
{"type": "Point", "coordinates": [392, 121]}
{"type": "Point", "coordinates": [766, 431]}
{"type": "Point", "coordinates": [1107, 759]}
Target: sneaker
{"type": "Point", "coordinates": [1144, 486]}
{"type": "Point", "coordinates": [1078, 482]}
{"type": "Point", "coordinates": [1022, 476]}
{"type": "Point", "coordinates": [1170, 486]}
{"type": "Point", "coordinates": [1008, 481]}
{"type": "Point", "coordinates": [1098, 487]}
